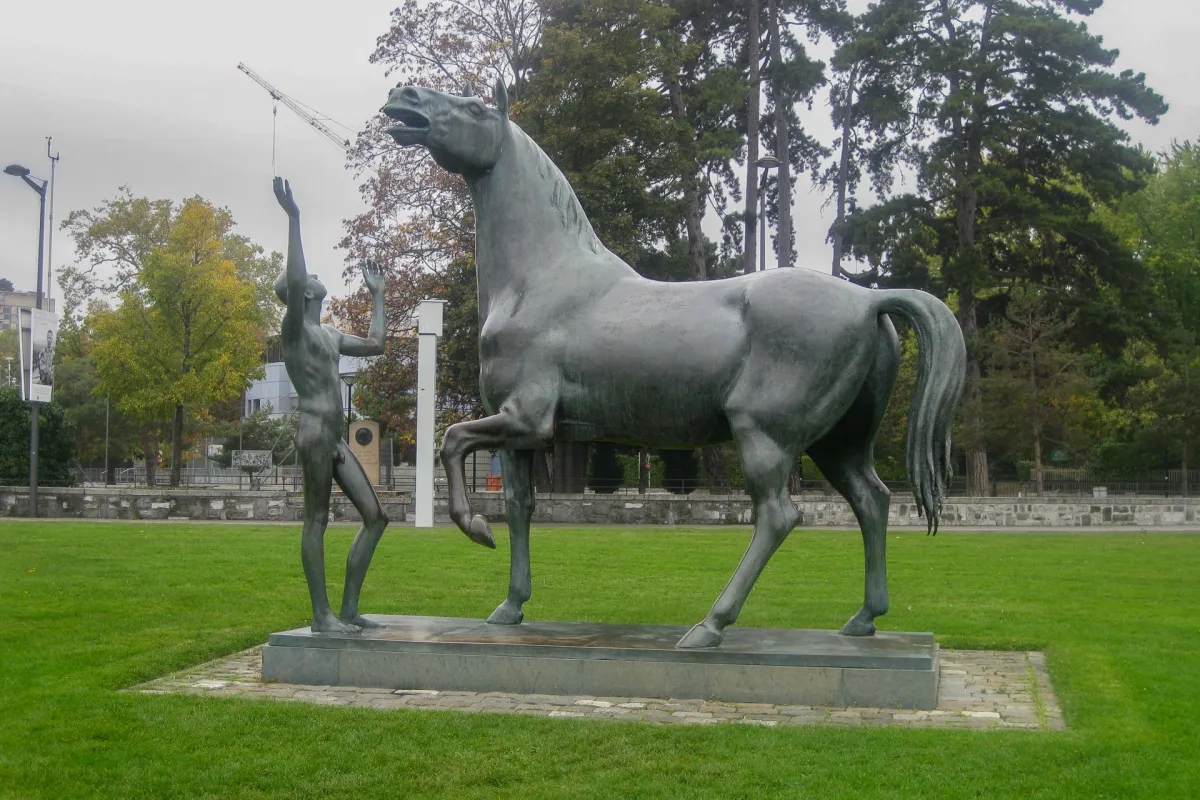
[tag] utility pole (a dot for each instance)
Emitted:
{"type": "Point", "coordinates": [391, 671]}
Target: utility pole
{"type": "Point", "coordinates": [50, 244]}
{"type": "Point", "coordinates": [23, 173]}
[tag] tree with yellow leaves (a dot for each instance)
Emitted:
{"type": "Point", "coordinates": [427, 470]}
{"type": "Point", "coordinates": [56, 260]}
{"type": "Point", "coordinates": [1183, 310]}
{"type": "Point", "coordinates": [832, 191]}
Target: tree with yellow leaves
{"type": "Point", "coordinates": [187, 330]}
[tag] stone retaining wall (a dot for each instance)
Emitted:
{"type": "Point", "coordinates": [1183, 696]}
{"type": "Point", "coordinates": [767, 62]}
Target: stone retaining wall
{"type": "Point", "coordinates": [631, 509]}
{"type": "Point", "coordinates": [198, 504]}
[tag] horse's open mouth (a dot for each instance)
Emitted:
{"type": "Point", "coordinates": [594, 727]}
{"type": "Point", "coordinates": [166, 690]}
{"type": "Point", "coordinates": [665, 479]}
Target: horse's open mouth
{"type": "Point", "coordinates": [413, 124]}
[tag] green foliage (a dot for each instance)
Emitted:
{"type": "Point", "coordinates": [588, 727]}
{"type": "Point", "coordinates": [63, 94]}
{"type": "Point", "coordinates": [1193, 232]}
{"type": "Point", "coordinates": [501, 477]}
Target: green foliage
{"type": "Point", "coordinates": [54, 441]}
{"type": "Point", "coordinates": [75, 384]}
{"type": "Point", "coordinates": [188, 330]}
{"type": "Point", "coordinates": [630, 471]}
{"type": "Point", "coordinates": [605, 473]}
{"type": "Point", "coordinates": [261, 431]}
{"type": "Point", "coordinates": [9, 343]}
{"type": "Point", "coordinates": [1037, 392]}
{"type": "Point", "coordinates": [113, 241]}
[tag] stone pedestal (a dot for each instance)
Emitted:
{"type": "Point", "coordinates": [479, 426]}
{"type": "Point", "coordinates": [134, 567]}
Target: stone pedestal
{"type": "Point", "coordinates": [752, 665]}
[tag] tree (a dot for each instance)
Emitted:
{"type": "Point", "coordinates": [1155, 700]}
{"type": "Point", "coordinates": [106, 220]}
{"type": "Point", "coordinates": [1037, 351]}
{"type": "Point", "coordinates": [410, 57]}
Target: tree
{"type": "Point", "coordinates": [1161, 224]}
{"type": "Point", "coordinates": [261, 431]}
{"type": "Point", "coordinates": [188, 330]}
{"type": "Point", "coordinates": [753, 92]}
{"type": "Point", "coordinates": [635, 103]}
{"type": "Point", "coordinates": [1008, 126]}
{"type": "Point", "coordinates": [89, 416]}
{"type": "Point", "coordinates": [54, 442]}
{"type": "Point", "coordinates": [419, 225]}
{"type": "Point", "coordinates": [1036, 385]}
{"type": "Point", "coordinates": [114, 239]}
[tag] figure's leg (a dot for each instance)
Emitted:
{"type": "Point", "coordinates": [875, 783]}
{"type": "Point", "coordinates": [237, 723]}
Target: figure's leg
{"type": "Point", "coordinates": [767, 466]}
{"type": "Point", "coordinates": [846, 456]}
{"type": "Point", "coordinates": [504, 431]}
{"type": "Point", "coordinates": [317, 467]}
{"type": "Point", "coordinates": [517, 468]}
{"type": "Point", "coordinates": [354, 482]}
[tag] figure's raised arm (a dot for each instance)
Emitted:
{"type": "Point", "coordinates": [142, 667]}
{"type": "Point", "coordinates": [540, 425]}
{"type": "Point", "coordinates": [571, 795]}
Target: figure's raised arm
{"type": "Point", "coordinates": [373, 344]}
{"type": "Point", "coordinates": [292, 281]}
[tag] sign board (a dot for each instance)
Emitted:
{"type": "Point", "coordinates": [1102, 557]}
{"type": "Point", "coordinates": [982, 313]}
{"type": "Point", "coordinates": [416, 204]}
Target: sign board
{"type": "Point", "coordinates": [364, 443]}
{"type": "Point", "coordinates": [252, 460]}
{"type": "Point", "coordinates": [43, 336]}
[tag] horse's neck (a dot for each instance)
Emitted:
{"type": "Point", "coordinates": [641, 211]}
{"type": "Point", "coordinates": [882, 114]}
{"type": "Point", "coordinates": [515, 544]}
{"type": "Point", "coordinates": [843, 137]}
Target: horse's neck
{"type": "Point", "coordinates": [528, 221]}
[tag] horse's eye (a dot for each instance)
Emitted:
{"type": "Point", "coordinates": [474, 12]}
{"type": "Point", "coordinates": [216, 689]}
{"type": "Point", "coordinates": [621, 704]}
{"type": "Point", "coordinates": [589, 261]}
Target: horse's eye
{"type": "Point", "coordinates": [476, 109]}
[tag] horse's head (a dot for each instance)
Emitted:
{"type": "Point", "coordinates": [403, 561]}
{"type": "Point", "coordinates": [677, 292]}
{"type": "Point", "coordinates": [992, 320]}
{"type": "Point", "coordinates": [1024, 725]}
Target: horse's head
{"type": "Point", "coordinates": [464, 135]}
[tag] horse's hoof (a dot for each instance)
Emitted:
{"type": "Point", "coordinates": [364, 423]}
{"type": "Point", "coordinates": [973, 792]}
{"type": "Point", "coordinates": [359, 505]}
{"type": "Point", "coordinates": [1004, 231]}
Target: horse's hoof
{"type": "Point", "coordinates": [858, 627]}
{"type": "Point", "coordinates": [699, 637]}
{"type": "Point", "coordinates": [480, 532]}
{"type": "Point", "coordinates": [506, 614]}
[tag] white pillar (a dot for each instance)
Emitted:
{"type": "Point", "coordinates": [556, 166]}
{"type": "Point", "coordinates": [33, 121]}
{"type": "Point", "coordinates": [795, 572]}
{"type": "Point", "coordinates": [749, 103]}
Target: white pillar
{"type": "Point", "coordinates": [429, 328]}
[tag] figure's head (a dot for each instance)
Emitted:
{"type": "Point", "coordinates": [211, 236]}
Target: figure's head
{"type": "Point", "coordinates": [314, 294]}
{"type": "Point", "coordinates": [49, 340]}
{"type": "Point", "coordinates": [464, 135]}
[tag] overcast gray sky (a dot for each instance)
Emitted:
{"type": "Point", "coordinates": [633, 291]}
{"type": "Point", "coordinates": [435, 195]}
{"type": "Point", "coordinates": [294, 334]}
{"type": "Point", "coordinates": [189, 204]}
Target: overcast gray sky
{"type": "Point", "coordinates": [146, 93]}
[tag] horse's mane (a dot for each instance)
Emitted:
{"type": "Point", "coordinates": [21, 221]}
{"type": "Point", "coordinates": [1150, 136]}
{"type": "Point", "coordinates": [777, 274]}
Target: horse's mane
{"type": "Point", "coordinates": [558, 191]}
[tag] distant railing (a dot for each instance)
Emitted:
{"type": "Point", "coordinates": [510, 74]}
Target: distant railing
{"type": "Point", "coordinates": [402, 480]}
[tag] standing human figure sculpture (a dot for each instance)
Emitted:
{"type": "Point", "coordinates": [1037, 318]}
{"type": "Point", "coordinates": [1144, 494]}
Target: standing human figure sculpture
{"type": "Point", "coordinates": [574, 345]}
{"type": "Point", "coordinates": [311, 352]}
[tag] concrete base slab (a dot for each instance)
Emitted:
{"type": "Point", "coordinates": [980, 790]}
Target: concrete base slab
{"type": "Point", "coordinates": [752, 665]}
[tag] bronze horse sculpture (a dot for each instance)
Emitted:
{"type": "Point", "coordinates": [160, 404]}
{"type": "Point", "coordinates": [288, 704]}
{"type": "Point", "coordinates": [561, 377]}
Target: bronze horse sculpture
{"type": "Point", "coordinates": [575, 345]}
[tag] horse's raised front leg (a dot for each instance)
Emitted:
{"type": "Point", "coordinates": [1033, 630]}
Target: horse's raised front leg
{"type": "Point", "coordinates": [767, 466]}
{"type": "Point", "coordinates": [517, 469]}
{"type": "Point", "coordinates": [503, 431]}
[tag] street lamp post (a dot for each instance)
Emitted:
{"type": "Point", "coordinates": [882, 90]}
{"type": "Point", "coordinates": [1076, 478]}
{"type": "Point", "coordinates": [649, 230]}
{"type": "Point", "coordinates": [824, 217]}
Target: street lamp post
{"type": "Point", "coordinates": [766, 164]}
{"type": "Point", "coordinates": [349, 378]}
{"type": "Point", "coordinates": [23, 173]}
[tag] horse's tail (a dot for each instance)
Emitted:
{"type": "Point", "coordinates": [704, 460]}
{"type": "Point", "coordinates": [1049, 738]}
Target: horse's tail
{"type": "Point", "coordinates": [941, 372]}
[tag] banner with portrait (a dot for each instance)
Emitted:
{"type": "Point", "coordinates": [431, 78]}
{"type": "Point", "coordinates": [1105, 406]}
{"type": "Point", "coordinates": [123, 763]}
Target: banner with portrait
{"type": "Point", "coordinates": [37, 355]}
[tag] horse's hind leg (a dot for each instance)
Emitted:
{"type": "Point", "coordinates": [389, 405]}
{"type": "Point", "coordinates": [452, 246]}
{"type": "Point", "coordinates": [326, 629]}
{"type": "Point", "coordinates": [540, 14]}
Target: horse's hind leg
{"type": "Point", "coordinates": [517, 469]}
{"type": "Point", "coordinates": [767, 466]}
{"type": "Point", "coordinates": [852, 474]}
{"type": "Point", "coordinates": [846, 457]}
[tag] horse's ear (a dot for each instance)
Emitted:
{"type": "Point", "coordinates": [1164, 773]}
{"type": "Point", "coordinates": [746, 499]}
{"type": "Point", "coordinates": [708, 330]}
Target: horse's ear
{"type": "Point", "coordinates": [501, 96]}
{"type": "Point", "coordinates": [468, 91]}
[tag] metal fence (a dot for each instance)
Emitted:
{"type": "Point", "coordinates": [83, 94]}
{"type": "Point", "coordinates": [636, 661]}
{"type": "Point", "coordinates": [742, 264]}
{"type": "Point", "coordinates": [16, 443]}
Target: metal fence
{"type": "Point", "coordinates": [402, 480]}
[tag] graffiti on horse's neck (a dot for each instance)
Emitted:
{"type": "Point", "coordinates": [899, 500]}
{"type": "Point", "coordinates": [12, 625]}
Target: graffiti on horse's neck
{"type": "Point", "coordinates": [527, 219]}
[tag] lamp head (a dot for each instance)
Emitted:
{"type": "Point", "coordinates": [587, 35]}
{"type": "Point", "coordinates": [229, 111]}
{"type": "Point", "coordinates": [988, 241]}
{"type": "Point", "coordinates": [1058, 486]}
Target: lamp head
{"type": "Point", "coordinates": [17, 170]}
{"type": "Point", "coordinates": [767, 162]}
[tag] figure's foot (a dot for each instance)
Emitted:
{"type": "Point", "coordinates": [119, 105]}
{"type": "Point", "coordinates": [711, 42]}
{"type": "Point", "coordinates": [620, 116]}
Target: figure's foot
{"type": "Point", "coordinates": [507, 613]}
{"type": "Point", "coordinates": [861, 624]}
{"type": "Point", "coordinates": [480, 532]}
{"type": "Point", "coordinates": [328, 623]}
{"type": "Point", "coordinates": [699, 637]}
{"type": "Point", "coordinates": [360, 621]}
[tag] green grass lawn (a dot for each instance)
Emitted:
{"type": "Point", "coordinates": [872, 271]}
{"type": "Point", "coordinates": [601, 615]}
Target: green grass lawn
{"type": "Point", "coordinates": [90, 608]}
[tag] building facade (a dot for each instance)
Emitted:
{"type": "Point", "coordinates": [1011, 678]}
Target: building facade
{"type": "Point", "coordinates": [275, 389]}
{"type": "Point", "coordinates": [11, 303]}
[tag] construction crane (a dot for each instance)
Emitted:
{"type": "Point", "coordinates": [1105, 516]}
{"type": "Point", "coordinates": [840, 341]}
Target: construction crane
{"type": "Point", "coordinates": [300, 110]}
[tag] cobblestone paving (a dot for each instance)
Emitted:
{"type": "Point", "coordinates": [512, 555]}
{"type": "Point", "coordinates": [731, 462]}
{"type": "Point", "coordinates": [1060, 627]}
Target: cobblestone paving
{"type": "Point", "coordinates": [979, 690]}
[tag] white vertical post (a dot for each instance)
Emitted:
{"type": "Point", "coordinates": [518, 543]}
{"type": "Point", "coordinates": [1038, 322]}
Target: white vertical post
{"type": "Point", "coordinates": [429, 328]}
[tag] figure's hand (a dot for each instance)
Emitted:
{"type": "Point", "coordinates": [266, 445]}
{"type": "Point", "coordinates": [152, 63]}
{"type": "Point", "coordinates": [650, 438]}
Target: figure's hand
{"type": "Point", "coordinates": [373, 277]}
{"type": "Point", "coordinates": [283, 193]}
